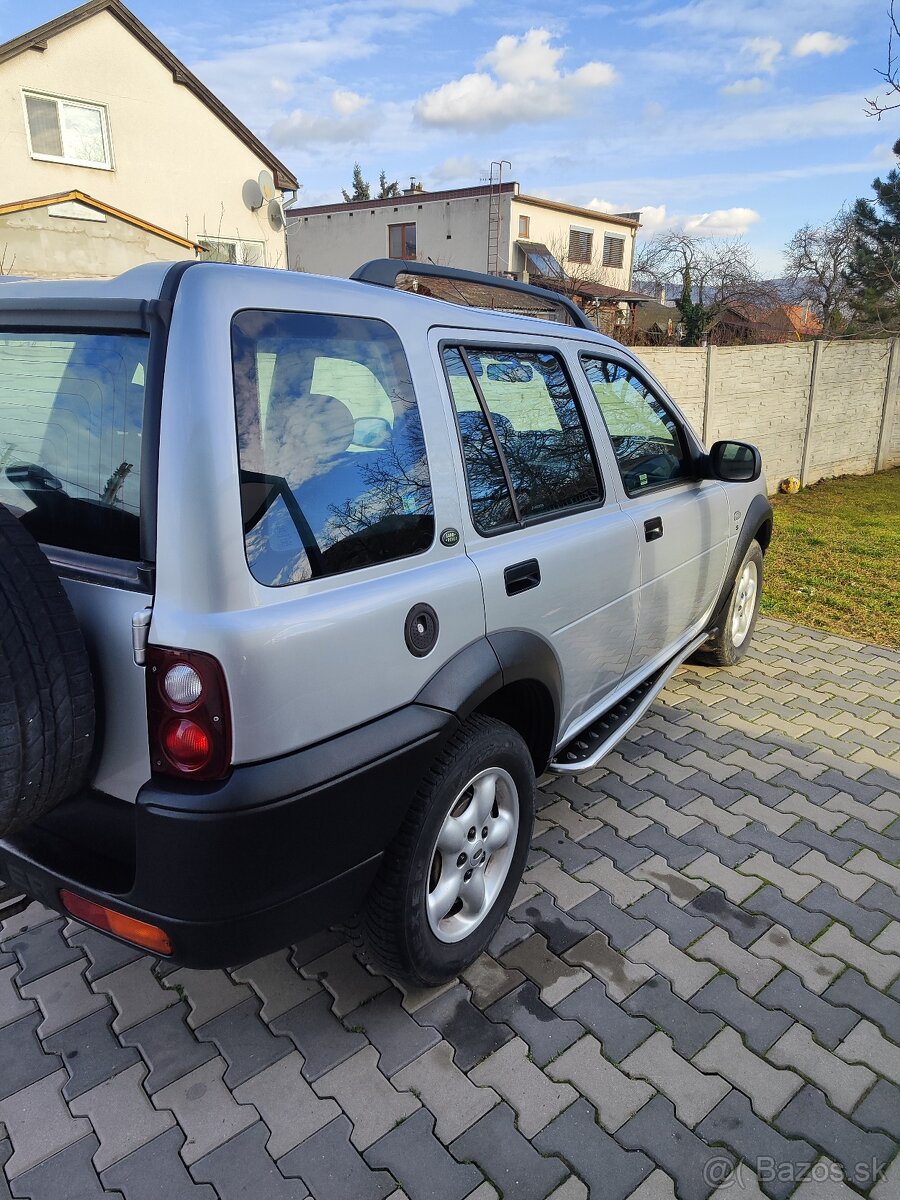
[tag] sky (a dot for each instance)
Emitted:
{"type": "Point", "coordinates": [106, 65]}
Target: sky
{"type": "Point", "coordinates": [725, 117]}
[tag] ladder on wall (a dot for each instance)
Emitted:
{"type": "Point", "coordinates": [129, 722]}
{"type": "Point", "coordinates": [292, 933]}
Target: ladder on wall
{"type": "Point", "coordinates": [495, 215]}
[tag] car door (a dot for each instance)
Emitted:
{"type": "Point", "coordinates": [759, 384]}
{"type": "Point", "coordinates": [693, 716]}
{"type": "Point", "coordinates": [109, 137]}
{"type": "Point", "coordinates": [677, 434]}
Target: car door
{"type": "Point", "coordinates": [682, 523]}
{"type": "Point", "coordinates": [554, 557]}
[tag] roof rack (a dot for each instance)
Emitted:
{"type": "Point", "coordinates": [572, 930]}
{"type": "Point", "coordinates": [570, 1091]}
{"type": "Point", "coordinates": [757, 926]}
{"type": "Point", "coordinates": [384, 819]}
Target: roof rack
{"type": "Point", "coordinates": [385, 271]}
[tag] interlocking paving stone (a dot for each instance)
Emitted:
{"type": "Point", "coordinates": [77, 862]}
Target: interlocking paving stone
{"type": "Point", "coordinates": [730, 852]}
{"type": "Point", "coordinates": [673, 851]}
{"type": "Point", "coordinates": [41, 950]}
{"type": "Point", "coordinates": [597, 1158]}
{"type": "Point", "coordinates": [121, 1115]}
{"type": "Point", "coordinates": [554, 978]}
{"type": "Point", "coordinates": [136, 993]}
{"type": "Point", "coordinates": [39, 1123]}
{"type": "Point", "coordinates": [318, 1035]}
{"type": "Point", "coordinates": [546, 1033]}
{"type": "Point", "coordinates": [620, 927]}
{"type": "Point", "coordinates": [832, 847]}
{"type": "Point", "coordinates": [570, 854]}
{"type": "Point", "coordinates": [606, 875]}
{"type": "Point", "coordinates": [22, 1061]}
{"type": "Point", "coordinates": [624, 854]}
{"type": "Point", "coordinates": [277, 982]}
{"type": "Point", "coordinates": [472, 1035]}
{"type": "Point", "coordinates": [858, 831]}
{"type": "Point", "coordinates": [333, 1169]}
{"type": "Point", "coordinates": [208, 993]}
{"type": "Point", "coordinates": [688, 1028]}
{"type": "Point", "coordinates": [489, 981]}
{"type": "Point", "coordinates": [68, 1173]}
{"type": "Point", "coordinates": [742, 927]}
{"type": "Point", "coordinates": [773, 820]}
{"type": "Point", "coordinates": [613, 1094]}
{"type": "Point", "coordinates": [758, 1026]}
{"type": "Point", "coordinates": [685, 973]}
{"type": "Point", "coordinates": [558, 927]}
{"type": "Point", "coordinates": [866, 1044]}
{"type": "Point", "coordinates": [726, 821]}
{"type": "Point", "coordinates": [880, 969]}
{"type": "Point", "coordinates": [398, 1038]}
{"type": "Point", "coordinates": [750, 971]}
{"type": "Point", "coordinates": [682, 926]}
{"type": "Point", "coordinates": [91, 1052]}
{"type": "Point", "coordinates": [853, 991]}
{"type": "Point", "coordinates": [105, 954]}
{"type": "Point", "coordinates": [784, 852]}
{"type": "Point", "coordinates": [286, 1102]}
{"type": "Point", "coordinates": [869, 864]}
{"type": "Point", "coordinates": [680, 889]}
{"type": "Point", "coordinates": [346, 979]}
{"type": "Point", "coordinates": [553, 879]}
{"type": "Point", "coordinates": [315, 946]}
{"type": "Point", "coordinates": [12, 1006]}
{"type": "Point", "coordinates": [880, 1110]}
{"type": "Point", "coordinates": [507, 1158]}
{"type": "Point", "coordinates": [769, 1089]}
{"type": "Point", "coordinates": [620, 976]}
{"type": "Point", "coordinates": [734, 1124]}
{"type": "Point", "coordinates": [425, 1170]}
{"type": "Point", "coordinates": [165, 1043]}
{"type": "Point", "coordinates": [888, 941]}
{"type": "Point", "coordinates": [64, 997]}
{"type": "Point", "coordinates": [850, 886]}
{"type": "Point", "coordinates": [450, 1095]}
{"type": "Point", "coordinates": [563, 814]}
{"type": "Point", "coordinates": [691, 1091]}
{"type": "Point", "coordinates": [156, 1170]}
{"type": "Point", "coordinates": [612, 812]}
{"type": "Point", "coordinates": [809, 1116]}
{"type": "Point", "coordinates": [619, 1031]}
{"type": "Point", "coordinates": [366, 1096]}
{"type": "Point", "coordinates": [5, 1153]}
{"type": "Point", "coordinates": [205, 1109]}
{"type": "Point", "coordinates": [816, 970]}
{"type": "Point", "coordinates": [656, 1130]}
{"type": "Point", "coordinates": [527, 1089]}
{"type": "Point", "coordinates": [769, 902]}
{"type": "Point", "coordinates": [822, 818]}
{"type": "Point", "coordinates": [33, 915]}
{"type": "Point", "coordinates": [827, 899]}
{"type": "Point", "coordinates": [242, 1169]}
{"type": "Point", "coordinates": [788, 880]}
{"type": "Point", "coordinates": [244, 1041]}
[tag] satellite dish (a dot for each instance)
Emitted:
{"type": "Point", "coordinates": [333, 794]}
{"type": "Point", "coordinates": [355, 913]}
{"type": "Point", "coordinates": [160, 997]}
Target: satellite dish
{"type": "Point", "coordinates": [253, 195]}
{"type": "Point", "coordinates": [276, 216]}
{"type": "Point", "coordinates": [267, 185]}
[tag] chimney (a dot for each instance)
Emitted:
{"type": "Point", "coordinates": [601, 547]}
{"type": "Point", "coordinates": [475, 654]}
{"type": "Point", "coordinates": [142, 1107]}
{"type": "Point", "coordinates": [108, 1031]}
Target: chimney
{"type": "Point", "coordinates": [414, 188]}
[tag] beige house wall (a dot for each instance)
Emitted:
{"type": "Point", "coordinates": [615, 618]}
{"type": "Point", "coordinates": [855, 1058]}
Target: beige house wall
{"type": "Point", "coordinates": [551, 228]}
{"type": "Point", "coordinates": [816, 410]}
{"type": "Point", "coordinates": [175, 164]}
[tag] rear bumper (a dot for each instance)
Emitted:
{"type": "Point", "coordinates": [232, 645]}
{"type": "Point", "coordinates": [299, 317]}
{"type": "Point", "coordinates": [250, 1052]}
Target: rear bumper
{"type": "Point", "coordinates": [233, 870]}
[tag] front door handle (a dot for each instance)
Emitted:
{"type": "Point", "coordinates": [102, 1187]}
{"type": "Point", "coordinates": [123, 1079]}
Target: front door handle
{"type": "Point", "coordinates": [653, 529]}
{"type": "Point", "coordinates": [520, 577]}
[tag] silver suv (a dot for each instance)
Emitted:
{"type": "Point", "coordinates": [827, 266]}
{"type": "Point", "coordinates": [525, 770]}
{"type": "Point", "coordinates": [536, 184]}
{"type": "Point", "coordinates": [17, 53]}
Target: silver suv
{"type": "Point", "coordinates": [305, 581]}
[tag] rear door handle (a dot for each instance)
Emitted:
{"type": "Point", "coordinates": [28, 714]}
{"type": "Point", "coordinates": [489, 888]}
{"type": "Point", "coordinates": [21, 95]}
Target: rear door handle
{"type": "Point", "coordinates": [653, 529]}
{"type": "Point", "coordinates": [520, 577]}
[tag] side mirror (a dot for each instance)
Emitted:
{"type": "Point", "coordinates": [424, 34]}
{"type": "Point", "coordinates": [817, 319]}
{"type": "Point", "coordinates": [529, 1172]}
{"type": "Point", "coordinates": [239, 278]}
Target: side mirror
{"type": "Point", "coordinates": [735, 462]}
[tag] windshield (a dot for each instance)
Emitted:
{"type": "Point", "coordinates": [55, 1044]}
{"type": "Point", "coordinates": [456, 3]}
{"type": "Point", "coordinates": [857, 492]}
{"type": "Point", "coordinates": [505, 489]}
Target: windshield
{"type": "Point", "coordinates": [71, 414]}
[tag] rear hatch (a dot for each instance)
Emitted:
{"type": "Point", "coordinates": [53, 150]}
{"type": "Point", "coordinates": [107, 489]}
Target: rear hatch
{"type": "Point", "coordinates": [74, 458]}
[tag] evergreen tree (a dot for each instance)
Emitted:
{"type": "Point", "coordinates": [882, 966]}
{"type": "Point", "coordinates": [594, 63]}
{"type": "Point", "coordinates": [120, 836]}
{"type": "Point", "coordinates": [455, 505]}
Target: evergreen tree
{"type": "Point", "coordinates": [361, 189]}
{"type": "Point", "coordinates": [387, 190]}
{"type": "Point", "coordinates": [874, 274]}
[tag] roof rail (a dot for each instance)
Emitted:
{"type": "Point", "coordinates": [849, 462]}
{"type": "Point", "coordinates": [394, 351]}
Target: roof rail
{"type": "Point", "coordinates": [385, 271]}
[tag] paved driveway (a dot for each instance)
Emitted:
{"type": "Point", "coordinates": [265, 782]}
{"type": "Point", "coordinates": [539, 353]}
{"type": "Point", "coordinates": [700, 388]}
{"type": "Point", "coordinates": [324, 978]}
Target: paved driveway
{"type": "Point", "coordinates": [696, 993]}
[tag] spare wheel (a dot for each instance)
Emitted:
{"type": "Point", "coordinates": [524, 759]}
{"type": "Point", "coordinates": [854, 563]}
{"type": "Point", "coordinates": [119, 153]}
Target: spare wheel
{"type": "Point", "coordinates": [46, 693]}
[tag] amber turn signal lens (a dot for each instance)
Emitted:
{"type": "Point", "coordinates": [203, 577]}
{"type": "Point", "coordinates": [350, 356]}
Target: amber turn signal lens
{"type": "Point", "coordinates": [139, 933]}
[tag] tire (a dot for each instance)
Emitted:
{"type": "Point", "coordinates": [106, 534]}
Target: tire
{"type": "Point", "coordinates": [402, 923]}
{"type": "Point", "coordinates": [730, 643]}
{"type": "Point", "coordinates": [46, 694]}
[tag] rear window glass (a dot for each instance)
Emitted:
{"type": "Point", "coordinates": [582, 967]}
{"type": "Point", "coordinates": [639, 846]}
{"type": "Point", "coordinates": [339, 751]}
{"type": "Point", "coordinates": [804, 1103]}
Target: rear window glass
{"type": "Point", "coordinates": [71, 413]}
{"type": "Point", "coordinates": [334, 475]}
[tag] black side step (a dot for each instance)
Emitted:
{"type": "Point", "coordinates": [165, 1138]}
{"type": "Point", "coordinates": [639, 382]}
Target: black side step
{"type": "Point", "coordinates": [586, 743]}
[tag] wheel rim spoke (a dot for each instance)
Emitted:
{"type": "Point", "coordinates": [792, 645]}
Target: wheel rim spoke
{"type": "Point", "coordinates": [445, 895]}
{"type": "Point", "coordinates": [452, 837]}
{"type": "Point", "coordinates": [499, 833]}
{"type": "Point", "coordinates": [483, 799]}
{"type": "Point", "coordinates": [473, 893]}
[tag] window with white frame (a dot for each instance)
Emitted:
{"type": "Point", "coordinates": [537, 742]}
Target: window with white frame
{"type": "Point", "coordinates": [233, 250]}
{"type": "Point", "coordinates": [613, 250]}
{"type": "Point", "coordinates": [68, 131]}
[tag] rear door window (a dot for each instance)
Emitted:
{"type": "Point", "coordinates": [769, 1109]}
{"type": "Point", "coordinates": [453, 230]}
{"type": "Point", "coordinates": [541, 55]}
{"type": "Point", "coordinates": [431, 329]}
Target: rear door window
{"type": "Point", "coordinates": [334, 475]}
{"type": "Point", "coordinates": [71, 416]}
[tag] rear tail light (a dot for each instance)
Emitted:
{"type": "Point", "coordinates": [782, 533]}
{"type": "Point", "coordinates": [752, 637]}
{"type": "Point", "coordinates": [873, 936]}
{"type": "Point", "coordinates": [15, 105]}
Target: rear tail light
{"type": "Point", "coordinates": [129, 929]}
{"type": "Point", "coordinates": [188, 716]}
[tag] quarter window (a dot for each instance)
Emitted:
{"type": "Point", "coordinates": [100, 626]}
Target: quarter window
{"type": "Point", "coordinates": [645, 436]}
{"type": "Point", "coordinates": [402, 241]}
{"type": "Point", "coordinates": [333, 470]}
{"type": "Point", "coordinates": [69, 131]}
{"type": "Point", "coordinates": [526, 450]}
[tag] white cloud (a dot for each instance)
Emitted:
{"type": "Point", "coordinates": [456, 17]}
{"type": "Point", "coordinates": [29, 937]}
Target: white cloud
{"type": "Point", "coordinates": [745, 87]}
{"type": "Point", "coordinates": [526, 84]}
{"type": "Point", "coordinates": [457, 168]}
{"type": "Point", "coordinates": [764, 51]}
{"type": "Point", "coordinates": [281, 87]}
{"type": "Point", "coordinates": [722, 222]}
{"type": "Point", "coordinates": [820, 43]}
{"type": "Point", "coordinates": [346, 103]}
{"type": "Point", "coordinates": [351, 122]}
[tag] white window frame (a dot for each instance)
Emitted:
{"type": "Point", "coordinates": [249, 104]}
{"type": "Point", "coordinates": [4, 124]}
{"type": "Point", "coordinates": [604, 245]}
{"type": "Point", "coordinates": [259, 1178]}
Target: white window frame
{"type": "Point", "coordinates": [108, 165]}
{"type": "Point", "coordinates": [239, 244]}
{"type": "Point", "coordinates": [585, 231]}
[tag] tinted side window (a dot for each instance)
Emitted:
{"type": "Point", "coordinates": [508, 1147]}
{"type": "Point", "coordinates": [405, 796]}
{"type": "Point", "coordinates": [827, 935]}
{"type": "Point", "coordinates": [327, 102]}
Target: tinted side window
{"type": "Point", "coordinates": [645, 436]}
{"type": "Point", "coordinates": [334, 475]}
{"type": "Point", "coordinates": [71, 416]}
{"type": "Point", "coordinates": [540, 435]}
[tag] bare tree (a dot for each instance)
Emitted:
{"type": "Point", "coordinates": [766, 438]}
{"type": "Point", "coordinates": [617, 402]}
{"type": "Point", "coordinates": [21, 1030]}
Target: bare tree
{"type": "Point", "coordinates": [6, 266]}
{"type": "Point", "coordinates": [716, 279]}
{"type": "Point", "coordinates": [818, 258]}
{"type": "Point", "coordinates": [877, 106]}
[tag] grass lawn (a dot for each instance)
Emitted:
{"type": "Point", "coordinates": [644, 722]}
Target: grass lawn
{"type": "Point", "coordinates": [834, 561]}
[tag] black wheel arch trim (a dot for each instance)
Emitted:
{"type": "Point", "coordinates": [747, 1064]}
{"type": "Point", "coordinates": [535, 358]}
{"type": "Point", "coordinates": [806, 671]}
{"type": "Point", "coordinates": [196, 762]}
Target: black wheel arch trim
{"type": "Point", "coordinates": [758, 520]}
